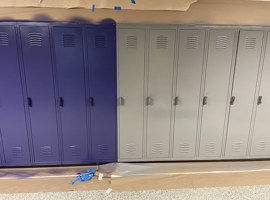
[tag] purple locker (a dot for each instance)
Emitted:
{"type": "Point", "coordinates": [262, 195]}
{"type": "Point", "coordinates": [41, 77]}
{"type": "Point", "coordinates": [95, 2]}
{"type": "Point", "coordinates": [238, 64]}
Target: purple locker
{"type": "Point", "coordinates": [12, 113]}
{"type": "Point", "coordinates": [69, 56]}
{"type": "Point", "coordinates": [37, 61]}
{"type": "Point", "coordinates": [1, 153]}
{"type": "Point", "coordinates": [102, 76]}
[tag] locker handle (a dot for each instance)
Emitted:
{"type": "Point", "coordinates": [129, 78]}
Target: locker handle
{"type": "Point", "coordinates": [232, 100]}
{"type": "Point", "coordinates": [259, 100]}
{"type": "Point", "coordinates": [92, 103]}
{"type": "Point", "coordinates": [149, 101]}
{"type": "Point", "coordinates": [176, 101]}
{"type": "Point", "coordinates": [121, 101]}
{"type": "Point", "coordinates": [204, 100]}
{"type": "Point", "coordinates": [61, 102]}
{"type": "Point", "coordinates": [29, 101]}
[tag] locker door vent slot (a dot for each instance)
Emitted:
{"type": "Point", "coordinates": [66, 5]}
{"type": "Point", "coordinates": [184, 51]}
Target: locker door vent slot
{"type": "Point", "coordinates": [100, 41]}
{"type": "Point", "coordinates": [162, 42]}
{"type": "Point", "coordinates": [131, 42]}
{"type": "Point", "coordinates": [131, 148]}
{"type": "Point", "coordinates": [192, 42]}
{"type": "Point", "coordinates": [250, 43]}
{"type": "Point", "coordinates": [17, 152]}
{"type": "Point", "coordinates": [262, 146]}
{"type": "Point", "coordinates": [3, 39]}
{"type": "Point", "coordinates": [211, 147]}
{"type": "Point", "coordinates": [157, 148]}
{"type": "Point", "coordinates": [236, 146]}
{"type": "Point", "coordinates": [222, 42]}
{"type": "Point", "coordinates": [103, 149]}
{"type": "Point", "coordinates": [35, 39]}
{"type": "Point", "coordinates": [68, 40]}
{"type": "Point", "coordinates": [46, 151]}
{"type": "Point", "coordinates": [75, 150]}
{"type": "Point", "coordinates": [184, 148]}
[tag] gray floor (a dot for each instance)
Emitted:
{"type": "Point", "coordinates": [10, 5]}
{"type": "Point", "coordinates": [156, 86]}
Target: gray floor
{"type": "Point", "coordinates": [222, 193]}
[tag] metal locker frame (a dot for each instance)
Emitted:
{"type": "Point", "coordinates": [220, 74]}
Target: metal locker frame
{"type": "Point", "coordinates": [100, 48]}
{"type": "Point", "coordinates": [160, 44]}
{"type": "Point", "coordinates": [132, 147]}
{"type": "Point", "coordinates": [52, 152]}
{"type": "Point", "coordinates": [191, 42]}
{"type": "Point", "coordinates": [258, 100]}
{"type": "Point", "coordinates": [222, 39]}
{"type": "Point", "coordinates": [76, 152]}
{"type": "Point", "coordinates": [21, 92]}
{"type": "Point", "coordinates": [230, 86]}
{"type": "Point", "coordinates": [239, 130]}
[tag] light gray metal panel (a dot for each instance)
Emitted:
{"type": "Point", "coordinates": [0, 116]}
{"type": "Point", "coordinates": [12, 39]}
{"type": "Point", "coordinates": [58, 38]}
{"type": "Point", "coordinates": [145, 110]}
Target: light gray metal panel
{"type": "Point", "coordinates": [260, 145]}
{"type": "Point", "coordinates": [159, 100]}
{"type": "Point", "coordinates": [131, 48]}
{"type": "Point", "coordinates": [219, 66]}
{"type": "Point", "coordinates": [247, 63]}
{"type": "Point", "coordinates": [190, 65]}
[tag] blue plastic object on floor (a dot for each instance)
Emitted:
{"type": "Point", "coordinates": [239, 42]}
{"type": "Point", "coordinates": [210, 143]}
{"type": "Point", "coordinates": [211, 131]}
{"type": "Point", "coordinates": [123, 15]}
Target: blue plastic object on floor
{"type": "Point", "coordinates": [85, 176]}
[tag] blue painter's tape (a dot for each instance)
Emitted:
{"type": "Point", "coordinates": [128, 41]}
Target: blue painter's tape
{"type": "Point", "coordinates": [133, 1]}
{"type": "Point", "coordinates": [117, 8]}
{"type": "Point", "coordinates": [85, 176]}
{"type": "Point", "coordinates": [93, 8]}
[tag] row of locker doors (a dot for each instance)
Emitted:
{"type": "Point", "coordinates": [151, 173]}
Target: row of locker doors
{"type": "Point", "coordinates": [193, 93]}
{"type": "Point", "coordinates": [57, 91]}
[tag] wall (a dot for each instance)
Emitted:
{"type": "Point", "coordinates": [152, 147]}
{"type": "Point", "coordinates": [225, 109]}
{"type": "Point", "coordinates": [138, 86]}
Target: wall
{"type": "Point", "coordinates": [202, 12]}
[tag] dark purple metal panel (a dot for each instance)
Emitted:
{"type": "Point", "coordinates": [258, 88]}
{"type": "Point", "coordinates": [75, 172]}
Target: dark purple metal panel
{"type": "Point", "coordinates": [37, 63]}
{"type": "Point", "coordinates": [12, 113]}
{"type": "Point", "coordinates": [102, 75]}
{"type": "Point", "coordinates": [1, 151]}
{"type": "Point", "coordinates": [69, 56]}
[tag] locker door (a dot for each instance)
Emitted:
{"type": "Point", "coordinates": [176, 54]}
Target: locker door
{"type": "Point", "coordinates": [70, 73]}
{"type": "Point", "coordinates": [102, 74]}
{"type": "Point", "coordinates": [159, 100]}
{"type": "Point", "coordinates": [246, 69]}
{"type": "Point", "coordinates": [190, 65]}
{"type": "Point", "coordinates": [219, 69]}
{"type": "Point", "coordinates": [131, 50]}
{"type": "Point", "coordinates": [260, 145]}
{"type": "Point", "coordinates": [12, 114]}
{"type": "Point", "coordinates": [37, 61]}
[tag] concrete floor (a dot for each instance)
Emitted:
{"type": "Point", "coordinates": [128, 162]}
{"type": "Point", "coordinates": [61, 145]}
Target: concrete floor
{"type": "Point", "coordinates": [259, 192]}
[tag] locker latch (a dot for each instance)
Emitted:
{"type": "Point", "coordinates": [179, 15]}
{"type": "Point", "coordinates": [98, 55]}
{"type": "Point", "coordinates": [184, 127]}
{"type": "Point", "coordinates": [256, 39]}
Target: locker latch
{"type": "Point", "coordinates": [29, 102]}
{"type": "Point", "coordinates": [232, 100]}
{"type": "Point", "coordinates": [204, 100]}
{"type": "Point", "coordinates": [121, 101]}
{"type": "Point", "coordinates": [176, 101]}
{"type": "Point", "coordinates": [259, 100]}
{"type": "Point", "coordinates": [149, 101]}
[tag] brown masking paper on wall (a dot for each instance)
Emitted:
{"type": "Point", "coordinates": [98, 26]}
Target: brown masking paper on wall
{"type": "Point", "coordinates": [178, 5]}
{"type": "Point", "coordinates": [203, 12]}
